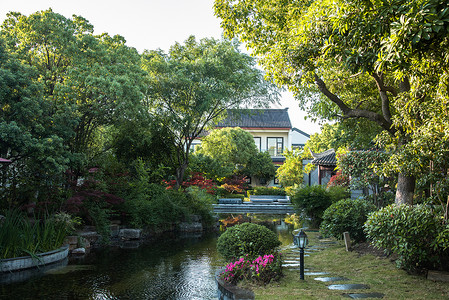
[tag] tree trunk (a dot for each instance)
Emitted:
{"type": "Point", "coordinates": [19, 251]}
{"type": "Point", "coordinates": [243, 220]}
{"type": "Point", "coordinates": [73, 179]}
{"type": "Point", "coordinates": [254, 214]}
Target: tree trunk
{"type": "Point", "coordinates": [180, 175]}
{"type": "Point", "coordinates": [405, 189]}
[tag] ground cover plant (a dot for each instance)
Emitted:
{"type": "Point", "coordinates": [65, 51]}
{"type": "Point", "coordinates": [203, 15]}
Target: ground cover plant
{"type": "Point", "coordinates": [379, 272]}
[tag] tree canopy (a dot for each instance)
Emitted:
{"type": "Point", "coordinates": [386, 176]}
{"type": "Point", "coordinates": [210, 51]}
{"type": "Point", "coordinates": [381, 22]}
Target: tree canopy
{"type": "Point", "coordinates": [230, 144]}
{"type": "Point", "coordinates": [194, 84]}
{"type": "Point", "coordinates": [366, 59]}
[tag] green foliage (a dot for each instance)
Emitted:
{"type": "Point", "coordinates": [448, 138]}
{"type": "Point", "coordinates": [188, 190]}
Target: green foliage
{"type": "Point", "coordinates": [260, 166]}
{"type": "Point", "coordinates": [230, 144]}
{"type": "Point", "coordinates": [415, 233]}
{"type": "Point", "coordinates": [263, 190]}
{"type": "Point", "coordinates": [312, 201]}
{"type": "Point", "coordinates": [247, 239]}
{"type": "Point", "coordinates": [337, 193]}
{"type": "Point", "coordinates": [346, 215]}
{"type": "Point", "coordinates": [361, 167]}
{"type": "Point", "coordinates": [291, 171]}
{"type": "Point", "coordinates": [215, 169]}
{"type": "Point", "coordinates": [195, 83]}
{"type": "Point", "coordinates": [392, 55]}
{"type": "Point", "coordinates": [20, 237]}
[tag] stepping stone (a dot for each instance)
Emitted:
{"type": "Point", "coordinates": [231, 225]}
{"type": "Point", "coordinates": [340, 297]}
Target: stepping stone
{"type": "Point", "coordinates": [292, 261]}
{"type": "Point", "coordinates": [290, 265]}
{"type": "Point", "coordinates": [316, 273]}
{"type": "Point", "coordinates": [363, 295]}
{"type": "Point", "coordinates": [328, 279]}
{"type": "Point", "coordinates": [298, 269]}
{"type": "Point", "coordinates": [348, 286]}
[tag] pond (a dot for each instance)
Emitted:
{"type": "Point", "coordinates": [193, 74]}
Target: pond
{"type": "Point", "coordinates": [173, 268]}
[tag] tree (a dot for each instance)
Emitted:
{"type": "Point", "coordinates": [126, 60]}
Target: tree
{"type": "Point", "coordinates": [291, 171]}
{"type": "Point", "coordinates": [88, 81]}
{"type": "Point", "coordinates": [261, 166]}
{"type": "Point", "coordinates": [29, 135]}
{"type": "Point", "coordinates": [367, 60]}
{"type": "Point", "coordinates": [230, 144]}
{"type": "Point", "coordinates": [194, 84]}
{"type": "Point", "coordinates": [361, 166]}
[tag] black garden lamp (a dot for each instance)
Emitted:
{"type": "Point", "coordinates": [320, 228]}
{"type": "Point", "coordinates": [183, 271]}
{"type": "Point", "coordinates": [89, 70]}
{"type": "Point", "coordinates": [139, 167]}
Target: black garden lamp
{"type": "Point", "coordinates": [301, 241]}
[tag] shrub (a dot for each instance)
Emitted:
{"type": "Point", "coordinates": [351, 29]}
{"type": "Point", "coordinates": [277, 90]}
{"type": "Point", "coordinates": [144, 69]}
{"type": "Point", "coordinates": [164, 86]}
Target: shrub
{"type": "Point", "coordinates": [263, 190]}
{"type": "Point", "coordinates": [312, 200]}
{"type": "Point", "coordinates": [346, 215]}
{"type": "Point", "coordinates": [260, 270]}
{"type": "Point", "coordinates": [159, 210]}
{"type": "Point", "coordinates": [337, 193]}
{"type": "Point", "coordinates": [247, 239]}
{"type": "Point", "coordinates": [414, 233]}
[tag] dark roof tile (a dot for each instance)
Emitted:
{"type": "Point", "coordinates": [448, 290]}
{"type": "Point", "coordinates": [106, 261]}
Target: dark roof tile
{"type": "Point", "coordinates": [257, 118]}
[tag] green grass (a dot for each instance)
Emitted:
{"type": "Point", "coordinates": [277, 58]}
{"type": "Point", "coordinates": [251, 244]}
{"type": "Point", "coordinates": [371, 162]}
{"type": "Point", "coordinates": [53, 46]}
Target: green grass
{"type": "Point", "coordinates": [380, 274]}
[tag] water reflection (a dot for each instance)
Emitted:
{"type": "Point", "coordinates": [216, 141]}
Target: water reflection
{"type": "Point", "coordinates": [181, 268]}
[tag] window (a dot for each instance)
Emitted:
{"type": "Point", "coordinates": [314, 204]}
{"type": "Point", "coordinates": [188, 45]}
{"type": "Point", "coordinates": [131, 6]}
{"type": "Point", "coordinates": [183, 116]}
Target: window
{"type": "Point", "coordinates": [275, 145]}
{"type": "Point", "coordinates": [257, 141]}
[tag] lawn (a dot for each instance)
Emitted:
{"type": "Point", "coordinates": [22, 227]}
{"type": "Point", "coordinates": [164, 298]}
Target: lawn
{"type": "Point", "coordinates": [380, 273]}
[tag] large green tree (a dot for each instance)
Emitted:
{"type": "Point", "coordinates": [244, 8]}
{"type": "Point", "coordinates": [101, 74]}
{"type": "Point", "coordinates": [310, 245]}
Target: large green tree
{"type": "Point", "coordinates": [367, 59]}
{"type": "Point", "coordinates": [28, 134]}
{"type": "Point", "coordinates": [89, 81]}
{"type": "Point", "coordinates": [62, 87]}
{"type": "Point", "coordinates": [194, 84]}
{"type": "Point", "coordinates": [230, 144]}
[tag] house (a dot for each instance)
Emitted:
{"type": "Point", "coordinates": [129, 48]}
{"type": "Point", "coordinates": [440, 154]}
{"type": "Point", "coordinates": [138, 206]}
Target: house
{"type": "Point", "coordinates": [271, 129]}
{"type": "Point", "coordinates": [326, 162]}
{"type": "Point", "coordinates": [299, 138]}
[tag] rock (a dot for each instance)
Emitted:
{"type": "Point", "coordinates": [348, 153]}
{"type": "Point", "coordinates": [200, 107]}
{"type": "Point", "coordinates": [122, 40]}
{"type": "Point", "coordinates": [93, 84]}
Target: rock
{"type": "Point", "coordinates": [72, 240]}
{"type": "Point", "coordinates": [91, 236]}
{"type": "Point", "coordinates": [190, 227]}
{"type": "Point", "coordinates": [130, 234]}
{"type": "Point", "coordinates": [79, 251]}
{"type": "Point", "coordinates": [115, 230]}
{"type": "Point", "coordinates": [84, 243]}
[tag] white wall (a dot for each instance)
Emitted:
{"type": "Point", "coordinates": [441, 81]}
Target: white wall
{"type": "Point", "coordinates": [265, 133]}
{"type": "Point", "coordinates": [298, 138]}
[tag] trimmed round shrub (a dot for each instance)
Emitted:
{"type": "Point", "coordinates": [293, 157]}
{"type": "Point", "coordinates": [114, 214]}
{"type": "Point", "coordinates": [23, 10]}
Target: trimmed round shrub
{"type": "Point", "coordinates": [346, 215]}
{"type": "Point", "coordinates": [415, 233]}
{"type": "Point", "coordinates": [247, 239]}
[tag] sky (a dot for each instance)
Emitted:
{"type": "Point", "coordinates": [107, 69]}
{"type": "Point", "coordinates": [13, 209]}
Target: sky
{"type": "Point", "coordinates": [150, 24]}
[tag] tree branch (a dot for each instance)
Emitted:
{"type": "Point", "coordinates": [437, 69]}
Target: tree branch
{"type": "Point", "coordinates": [353, 113]}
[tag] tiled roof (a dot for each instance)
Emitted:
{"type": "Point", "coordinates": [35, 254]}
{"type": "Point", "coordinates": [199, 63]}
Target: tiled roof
{"type": "Point", "coordinates": [257, 118]}
{"type": "Point", "coordinates": [326, 158]}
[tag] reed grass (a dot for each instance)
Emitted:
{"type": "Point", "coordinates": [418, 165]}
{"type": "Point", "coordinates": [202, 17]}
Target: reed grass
{"type": "Point", "coordinates": [20, 237]}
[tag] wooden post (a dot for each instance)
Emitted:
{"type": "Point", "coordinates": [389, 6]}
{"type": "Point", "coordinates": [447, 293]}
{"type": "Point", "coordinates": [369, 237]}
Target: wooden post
{"type": "Point", "coordinates": [347, 240]}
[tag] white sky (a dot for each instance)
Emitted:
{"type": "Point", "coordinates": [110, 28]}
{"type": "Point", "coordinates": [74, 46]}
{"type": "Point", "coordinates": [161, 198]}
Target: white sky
{"type": "Point", "coordinates": [149, 24]}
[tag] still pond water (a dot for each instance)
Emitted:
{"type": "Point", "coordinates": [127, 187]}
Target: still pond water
{"type": "Point", "coordinates": [174, 268]}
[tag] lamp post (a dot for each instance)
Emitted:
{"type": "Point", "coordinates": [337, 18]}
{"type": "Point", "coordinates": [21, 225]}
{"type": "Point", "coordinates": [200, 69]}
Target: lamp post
{"type": "Point", "coordinates": [301, 241]}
